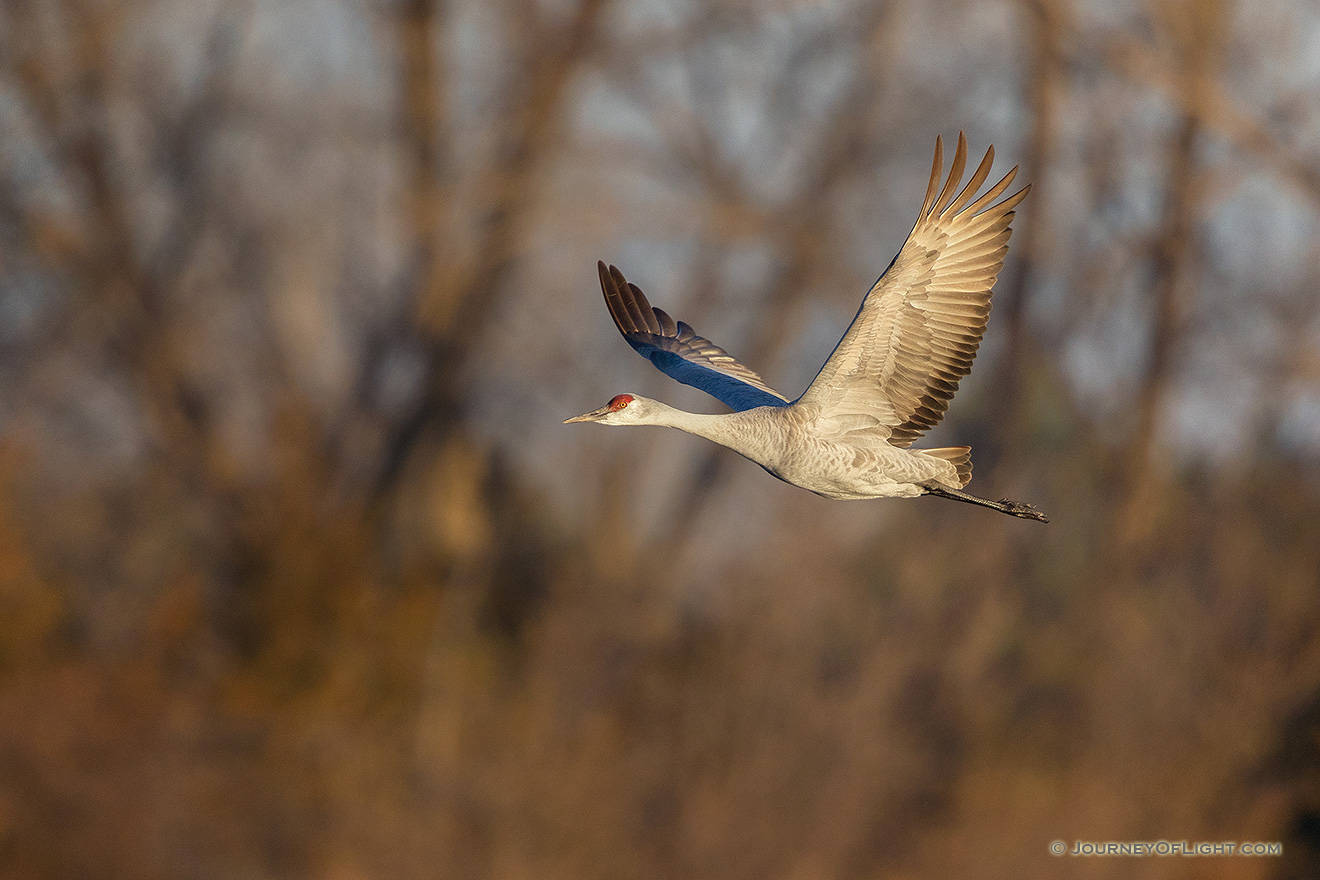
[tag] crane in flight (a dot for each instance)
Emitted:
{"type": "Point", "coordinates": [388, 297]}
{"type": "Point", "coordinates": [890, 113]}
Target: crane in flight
{"type": "Point", "coordinates": [889, 379]}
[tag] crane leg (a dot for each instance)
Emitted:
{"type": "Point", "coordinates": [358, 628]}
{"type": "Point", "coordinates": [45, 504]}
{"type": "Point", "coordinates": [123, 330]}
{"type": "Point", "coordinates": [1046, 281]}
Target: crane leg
{"type": "Point", "coordinates": [1012, 508]}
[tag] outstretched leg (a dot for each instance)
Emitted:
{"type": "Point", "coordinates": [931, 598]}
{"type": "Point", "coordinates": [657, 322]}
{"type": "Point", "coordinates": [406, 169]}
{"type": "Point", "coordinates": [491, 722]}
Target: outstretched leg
{"type": "Point", "coordinates": [1012, 508]}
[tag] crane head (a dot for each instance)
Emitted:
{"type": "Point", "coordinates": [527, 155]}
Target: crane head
{"type": "Point", "coordinates": [623, 409]}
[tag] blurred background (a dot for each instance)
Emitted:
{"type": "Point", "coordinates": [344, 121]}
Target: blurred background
{"type": "Point", "coordinates": [301, 576]}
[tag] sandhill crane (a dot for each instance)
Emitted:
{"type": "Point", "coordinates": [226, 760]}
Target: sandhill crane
{"type": "Point", "coordinates": [889, 379]}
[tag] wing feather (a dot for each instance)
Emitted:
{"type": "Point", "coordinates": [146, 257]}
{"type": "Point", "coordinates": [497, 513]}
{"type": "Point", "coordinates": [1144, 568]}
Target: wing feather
{"type": "Point", "coordinates": [676, 349]}
{"type": "Point", "coordinates": [919, 327]}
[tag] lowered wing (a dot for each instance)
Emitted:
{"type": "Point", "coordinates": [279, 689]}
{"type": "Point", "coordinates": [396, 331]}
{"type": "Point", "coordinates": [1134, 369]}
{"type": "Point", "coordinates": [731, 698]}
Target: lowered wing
{"type": "Point", "coordinates": [678, 351]}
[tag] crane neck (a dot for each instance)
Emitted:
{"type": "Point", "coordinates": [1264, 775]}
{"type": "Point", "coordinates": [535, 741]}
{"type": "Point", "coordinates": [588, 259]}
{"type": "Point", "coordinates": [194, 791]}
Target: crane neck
{"type": "Point", "coordinates": [702, 424]}
{"type": "Point", "coordinates": [737, 431]}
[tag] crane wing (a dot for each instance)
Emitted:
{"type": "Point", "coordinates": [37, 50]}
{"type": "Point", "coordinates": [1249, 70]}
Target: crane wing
{"type": "Point", "coordinates": [678, 351]}
{"type": "Point", "coordinates": [915, 335]}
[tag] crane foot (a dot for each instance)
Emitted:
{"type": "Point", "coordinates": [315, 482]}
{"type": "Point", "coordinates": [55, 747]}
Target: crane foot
{"type": "Point", "coordinates": [1012, 508]}
{"type": "Point", "coordinates": [1019, 508]}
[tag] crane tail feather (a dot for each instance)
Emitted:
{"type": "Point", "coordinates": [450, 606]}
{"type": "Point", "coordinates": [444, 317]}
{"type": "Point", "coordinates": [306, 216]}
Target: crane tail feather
{"type": "Point", "coordinates": [958, 456]}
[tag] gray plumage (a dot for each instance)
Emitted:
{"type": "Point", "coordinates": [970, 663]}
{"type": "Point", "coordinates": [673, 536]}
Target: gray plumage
{"type": "Point", "coordinates": [888, 381]}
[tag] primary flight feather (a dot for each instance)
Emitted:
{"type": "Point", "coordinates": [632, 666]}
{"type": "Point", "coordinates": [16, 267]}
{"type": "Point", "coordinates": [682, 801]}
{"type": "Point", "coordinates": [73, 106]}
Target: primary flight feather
{"type": "Point", "coordinates": [889, 379]}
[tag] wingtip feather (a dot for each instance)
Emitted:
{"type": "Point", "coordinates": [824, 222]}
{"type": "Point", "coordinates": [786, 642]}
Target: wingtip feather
{"type": "Point", "coordinates": [955, 175]}
{"type": "Point", "coordinates": [936, 170]}
{"type": "Point", "coordinates": [978, 178]}
{"type": "Point", "coordinates": [992, 193]}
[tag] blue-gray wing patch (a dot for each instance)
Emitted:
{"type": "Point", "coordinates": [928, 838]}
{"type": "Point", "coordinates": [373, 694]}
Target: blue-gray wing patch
{"type": "Point", "coordinates": [677, 350]}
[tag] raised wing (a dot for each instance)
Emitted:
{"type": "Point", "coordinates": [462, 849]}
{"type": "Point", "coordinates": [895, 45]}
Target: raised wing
{"type": "Point", "coordinates": [678, 351]}
{"type": "Point", "coordinates": [913, 339]}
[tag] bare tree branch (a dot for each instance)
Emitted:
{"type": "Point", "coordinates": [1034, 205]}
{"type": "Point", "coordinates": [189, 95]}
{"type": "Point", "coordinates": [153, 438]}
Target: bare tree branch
{"type": "Point", "coordinates": [1198, 30]}
{"type": "Point", "coordinates": [456, 297]}
{"type": "Point", "coordinates": [1046, 84]}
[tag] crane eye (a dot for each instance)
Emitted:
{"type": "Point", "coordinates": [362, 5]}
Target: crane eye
{"type": "Point", "coordinates": [620, 401]}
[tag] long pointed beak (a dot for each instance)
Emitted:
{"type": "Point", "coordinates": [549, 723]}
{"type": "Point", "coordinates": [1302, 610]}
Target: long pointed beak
{"type": "Point", "coordinates": [594, 415]}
